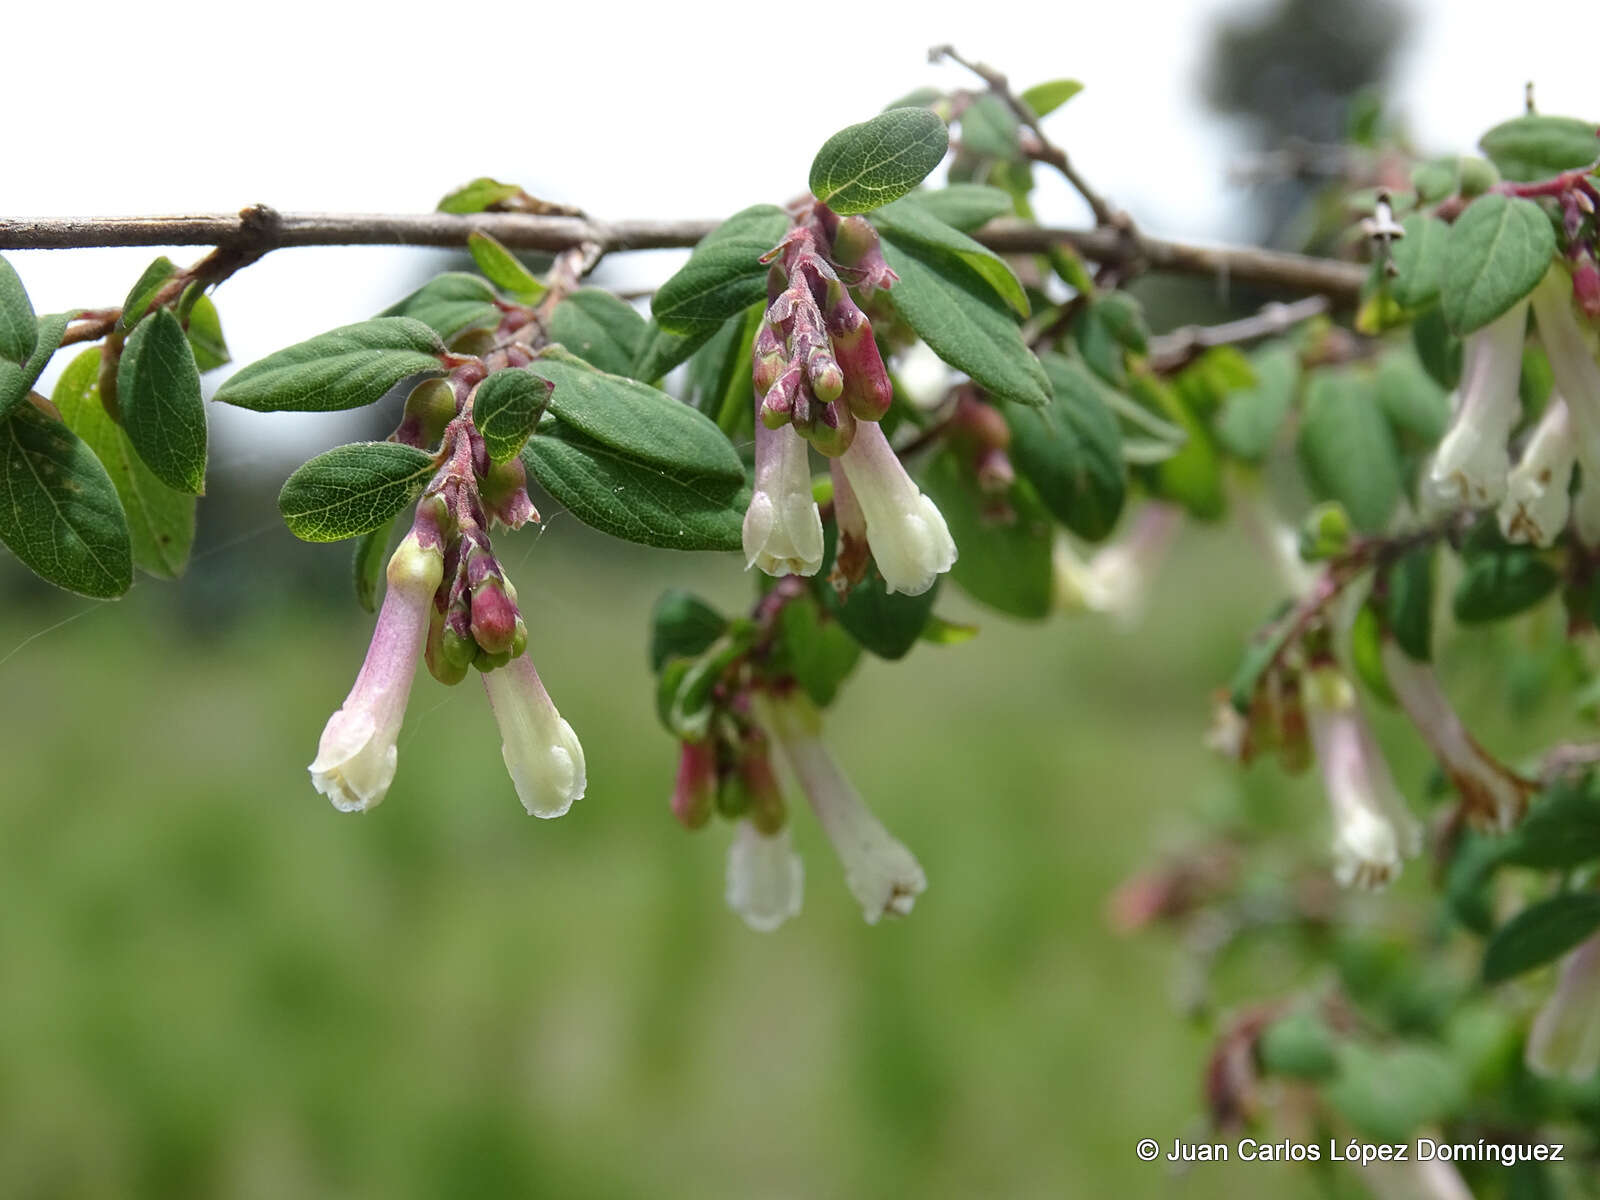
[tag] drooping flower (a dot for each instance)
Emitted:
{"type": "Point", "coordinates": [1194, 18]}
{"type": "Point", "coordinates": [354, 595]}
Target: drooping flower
{"type": "Point", "coordinates": [909, 538]}
{"type": "Point", "coordinates": [881, 873]}
{"type": "Point", "coordinates": [766, 880]}
{"type": "Point", "coordinates": [1577, 378]}
{"type": "Point", "coordinates": [1565, 1038]}
{"type": "Point", "coordinates": [1372, 830]}
{"type": "Point", "coordinates": [356, 757]}
{"type": "Point", "coordinates": [540, 750]}
{"type": "Point", "coordinates": [1493, 797]}
{"type": "Point", "coordinates": [782, 527]}
{"type": "Point", "coordinates": [1470, 467]}
{"type": "Point", "coordinates": [1537, 503]}
{"type": "Point", "coordinates": [1116, 580]}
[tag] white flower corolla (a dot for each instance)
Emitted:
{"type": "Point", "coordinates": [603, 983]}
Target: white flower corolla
{"type": "Point", "coordinates": [766, 881]}
{"type": "Point", "coordinates": [1537, 503]}
{"type": "Point", "coordinates": [356, 757]}
{"type": "Point", "coordinates": [540, 750]}
{"type": "Point", "coordinates": [1372, 831]}
{"type": "Point", "coordinates": [1116, 580]}
{"type": "Point", "coordinates": [910, 542]}
{"type": "Point", "coordinates": [1577, 378]}
{"type": "Point", "coordinates": [782, 527]}
{"type": "Point", "coordinates": [1565, 1038]}
{"type": "Point", "coordinates": [1493, 797]}
{"type": "Point", "coordinates": [1470, 467]}
{"type": "Point", "coordinates": [880, 872]}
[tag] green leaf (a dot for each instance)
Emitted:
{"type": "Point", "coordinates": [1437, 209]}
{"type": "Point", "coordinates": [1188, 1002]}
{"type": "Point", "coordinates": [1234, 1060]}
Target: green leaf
{"type": "Point", "coordinates": [888, 624]}
{"type": "Point", "coordinates": [1389, 1094]}
{"type": "Point", "coordinates": [1539, 933]}
{"type": "Point", "coordinates": [1410, 397]}
{"type": "Point", "coordinates": [640, 501]}
{"type": "Point", "coordinates": [954, 310]}
{"type": "Point", "coordinates": [682, 626]}
{"type": "Point", "coordinates": [343, 368]}
{"type": "Point", "coordinates": [18, 328]}
{"type": "Point", "coordinates": [1260, 652]}
{"type": "Point", "coordinates": [353, 489]}
{"type": "Point", "coordinates": [143, 292]}
{"type": "Point", "coordinates": [1192, 476]}
{"type": "Point", "coordinates": [1006, 566]}
{"type": "Point", "coordinates": [160, 520]}
{"type": "Point", "coordinates": [1534, 146]}
{"type": "Point", "coordinates": [1366, 652]}
{"type": "Point", "coordinates": [660, 351]}
{"type": "Point", "coordinates": [1298, 1046]}
{"type": "Point", "coordinates": [480, 195]}
{"type": "Point", "coordinates": [204, 329]}
{"type": "Point", "coordinates": [1071, 450]}
{"type": "Point", "coordinates": [1123, 316]}
{"type": "Point", "coordinates": [1250, 419]}
{"type": "Point", "coordinates": [17, 379]}
{"type": "Point", "coordinates": [60, 514]}
{"type": "Point", "coordinates": [1347, 448]}
{"type": "Point", "coordinates": [816, 648]}
{"type": "Point", "coordinates": [1498, 249]}
{"type": "Point", "coordinates": [1410, 602]}
{"type": "Point", "coordinates": [449, 304]}
{"type": "Point", "coordinates": [158, 393]}
{"type": "Point", "coordinates": [912, 224]}
{"type": "Point", "coordinates": [990, 128]}
{"type": "Point", "coordinates": [368, 563]}
{"type": "Point", "coordinates": [868, 165]}
{"type": "Point", "coordinates": [504, 269]}
{"type": "Point", "coordinates": [1043, 99]}
{"type": "Point", "coordinates": [1503, 583]}
{"type": "Point", "coordinates": [1561, 831]}
{"type": "Point", "coordinates": [644, 424]}
{"type": "Point", "coordinates": [1438, 350]}
{"type": "Point", "coordinates": [506, 409]}
{"type": "Point", "coordinates": [964, 206]}
{"type": "Point", "coordinates": [1419, 259]}
{"type": "Point", "coordinates": [600, 329]}
{"type": "Point", "coordinates": [724, 275]}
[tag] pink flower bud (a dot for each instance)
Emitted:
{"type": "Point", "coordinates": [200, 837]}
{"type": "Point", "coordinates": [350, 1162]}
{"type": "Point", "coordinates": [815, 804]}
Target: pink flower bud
{"type": "Point", "coordinates": [695, 791]}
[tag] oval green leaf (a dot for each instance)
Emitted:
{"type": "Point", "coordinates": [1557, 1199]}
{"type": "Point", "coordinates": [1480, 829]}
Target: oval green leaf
{"type": "Point", "coordinates": [1497, 251]}
{"type": "Point", "coordinates": [158, 392]}
{"type": "Point", "coordinates": [61, 514]}
{"type": "Point", "coordinates": [910, 222]}
{"type": "Point", "coordinates": [343, 368]}
{"type": "Point", "coordinates": [1347, 448]}
{"type": "Point", "coordinates": [506, 408]}
{"type": "Point", "coordinates": [1540, 933]}
{"type": "Point", "coordinates": [450, 304]}
{"type": "Point", "coordinates": [1535, 146]}
{"type": "Point", "coordinates": [870, 164]}
{"type": "Point", "coordinates": [600, 329]}
{"type": "Point", "coordinates": [1071, 451]}
{"type": "Point", "coordinates": [352, 489]}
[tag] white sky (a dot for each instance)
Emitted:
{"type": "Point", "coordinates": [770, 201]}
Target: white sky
{"type": "Point", "coordinates": [626, 110]}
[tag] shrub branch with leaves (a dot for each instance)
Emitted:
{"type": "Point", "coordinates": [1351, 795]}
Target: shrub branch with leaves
{"type": "Point", "coordinates": [882, 384]}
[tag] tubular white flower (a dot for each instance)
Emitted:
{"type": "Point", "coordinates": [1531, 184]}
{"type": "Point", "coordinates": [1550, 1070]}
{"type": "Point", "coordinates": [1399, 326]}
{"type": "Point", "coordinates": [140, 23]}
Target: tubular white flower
{"type": "Point", "coordinates": [880, 872]}
{"type": "Point", "coordinates": [1493, 797]}
{"type": "Point", "coordinates": [1577, 378]}
{"type": "Point", "coordinates": [1537, 505]}
{"type": "Point", "coordinates": [1373, 832]}
{"type": "Point", "coordinates": [356, 757]}
{"type": "Point", "coordinates": [766, 880]}
{"type": "Point", "coordinates": [910, 541]}
{"type": "Point", "coordinates": [1472, 462]}
{"type": "Point", "coordinates": [540, 750]}
{"type": "Point", "coordinates": [782, 527]}
{"type": "Point", "coordinates": [1565, 1038]}
{"type": "Point", "coordinates": [1120, 575]}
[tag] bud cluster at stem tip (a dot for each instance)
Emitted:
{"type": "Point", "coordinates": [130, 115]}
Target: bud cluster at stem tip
{"type": "Point", "coordinates": [820, 380]}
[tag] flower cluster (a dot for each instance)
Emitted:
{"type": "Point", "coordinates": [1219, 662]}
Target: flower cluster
{"type": "Point", "coordinates": [820, 381]}
{"type": "Point", "coordinates": [731, 771]}
{"type": "Point", "coordinates": [450, 604]}
{"type": "Point", "coordinates": [1472, 466]}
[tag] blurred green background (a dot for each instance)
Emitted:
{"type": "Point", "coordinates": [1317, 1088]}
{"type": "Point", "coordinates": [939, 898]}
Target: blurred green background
{"type": "Point", "coordinates": [216, 985]}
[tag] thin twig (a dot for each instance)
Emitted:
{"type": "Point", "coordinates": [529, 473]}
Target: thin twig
{"type": "Point", "coordinates": [1173, 350]}
{"type": "Point", "coordinates": [1340, 281]}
